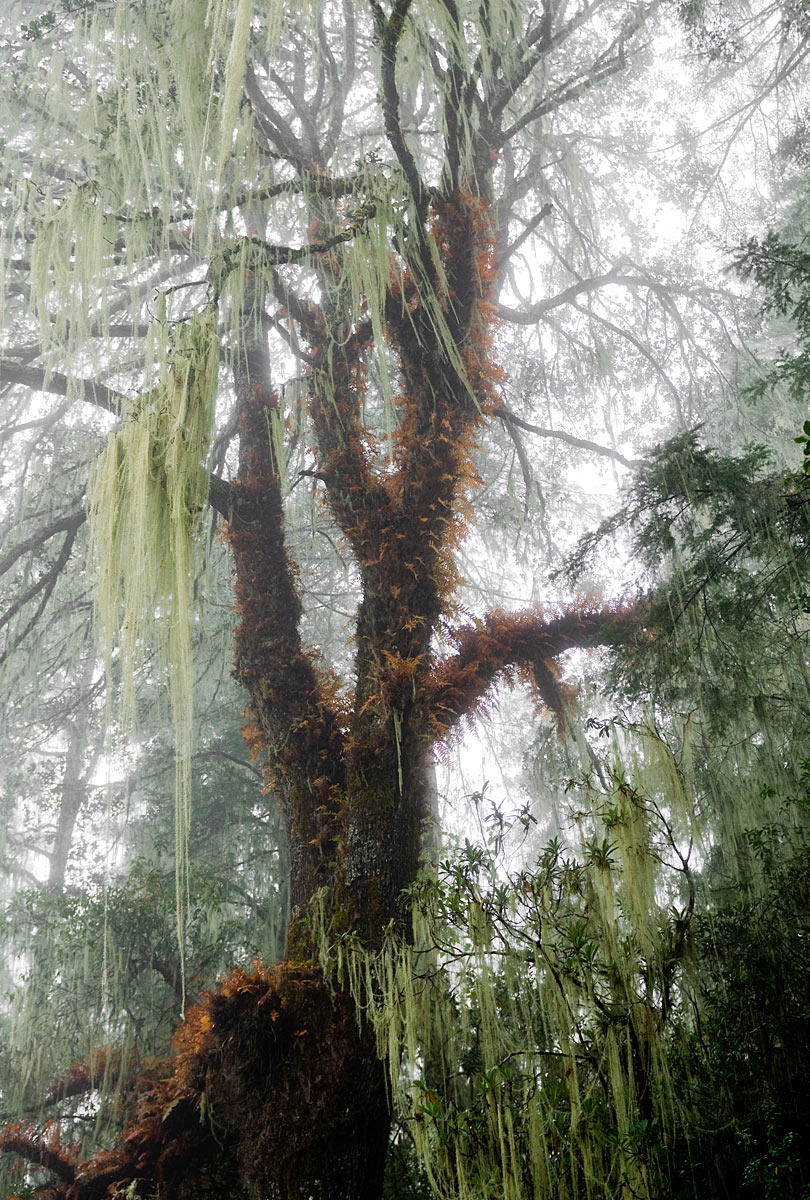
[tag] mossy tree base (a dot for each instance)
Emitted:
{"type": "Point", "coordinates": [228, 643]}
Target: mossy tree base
{"type": "Point", "coordinates": [273, 1089]}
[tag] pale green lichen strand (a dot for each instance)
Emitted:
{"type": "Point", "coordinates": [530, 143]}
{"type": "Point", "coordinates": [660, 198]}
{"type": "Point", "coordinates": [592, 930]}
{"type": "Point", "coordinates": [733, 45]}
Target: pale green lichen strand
{"type": "Point", "coordinates": [147, 494]}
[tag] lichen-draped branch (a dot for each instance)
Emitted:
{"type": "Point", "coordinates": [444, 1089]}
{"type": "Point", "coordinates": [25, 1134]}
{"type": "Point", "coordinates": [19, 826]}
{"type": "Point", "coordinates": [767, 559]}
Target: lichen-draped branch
{"type": "Point", "coordinates": [389, 31]}
{"type": "Point", "coordinates": [146, 498]}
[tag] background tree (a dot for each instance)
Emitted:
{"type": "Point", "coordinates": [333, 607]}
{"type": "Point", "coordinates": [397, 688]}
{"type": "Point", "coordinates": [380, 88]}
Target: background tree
{"type": "Point", "coordinates": [276, 246]}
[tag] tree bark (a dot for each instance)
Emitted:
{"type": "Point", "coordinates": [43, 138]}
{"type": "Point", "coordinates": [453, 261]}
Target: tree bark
{"type": "Point", "coordinates": [312, 1090]}
{"type": "Point", "coordinates": [74, 780]}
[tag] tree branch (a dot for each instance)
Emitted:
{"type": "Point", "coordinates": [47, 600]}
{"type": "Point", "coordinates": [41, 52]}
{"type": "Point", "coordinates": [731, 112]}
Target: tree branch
{"type": "Point", "coordinates": [563, 95]}
{"type": "Point", "coordinates": [580, 287]}
{"type": "Point", "coordinates": [510, 418]}
{"type": "Point", "coordinates": [264, 254]}
{"type": "Point", "coordinates": [525, 233]}
{"type": "Point", "coordinates": [272, 124]}
{"type": "Point", "coordinates": [26, 1141]}
{"type": "Point", "coordinates": [342, 79]}
{"type": "Point", "coordinates": [527, 641]}
{"type": "Point", "coordinates": [219, 496]}
{"type": "Point", "coordinates": [61, 525]}
{"type": "Point", "coordinates": [542, 41]}
{"type": "Point", "coordinates": [41, 381]}
{"type": "Point", "coordinates": [45, 585]}
{"type": "Point", "coordinates": [389, 32]}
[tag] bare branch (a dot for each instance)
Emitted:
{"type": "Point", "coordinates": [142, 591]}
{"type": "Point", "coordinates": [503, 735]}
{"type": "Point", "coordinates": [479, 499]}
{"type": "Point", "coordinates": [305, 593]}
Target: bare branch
{"type": "Point", "coordinates": [44, 585]}
{"type": "Point", "coordinates": [532, 224]}
{"type": "Point", "coordinates": [565, 94]}
{"type": "Point", "coordinates": [61, 525]}
{"type": "Point", "coordinates": [542, 41]}
{"type": "Point", "coordinates": [510, 418]}
{"type": "Point", "coordinates": [342, 78]}
{"type": "Point", "coordinates": [272, 124]}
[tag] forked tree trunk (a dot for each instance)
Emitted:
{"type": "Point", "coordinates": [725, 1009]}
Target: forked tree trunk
{"type": "Point", "coordinates": [307, 1099]}
{"type": "Point", "coordinates": [353, 783]}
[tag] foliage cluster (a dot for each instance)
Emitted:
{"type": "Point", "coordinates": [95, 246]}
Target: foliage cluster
{"type": "Point", "coordinates": [333, 208]}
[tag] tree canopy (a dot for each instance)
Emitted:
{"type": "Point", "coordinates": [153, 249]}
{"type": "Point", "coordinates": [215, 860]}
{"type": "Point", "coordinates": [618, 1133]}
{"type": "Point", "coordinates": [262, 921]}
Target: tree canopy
{"type": "Point", "coordinates": [377, 377]}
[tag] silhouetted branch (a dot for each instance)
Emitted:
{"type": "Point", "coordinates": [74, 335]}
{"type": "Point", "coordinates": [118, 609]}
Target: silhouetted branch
{"type": "Point", "coordinates": [71, 521]}
{"type": "Point", "coordinates": [55, 382]}
{"type": "Point", "coordinates": [510, 418]}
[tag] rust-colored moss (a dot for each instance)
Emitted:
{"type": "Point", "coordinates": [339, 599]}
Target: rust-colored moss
{"type": "Point", "coordinates": [270, 1080]}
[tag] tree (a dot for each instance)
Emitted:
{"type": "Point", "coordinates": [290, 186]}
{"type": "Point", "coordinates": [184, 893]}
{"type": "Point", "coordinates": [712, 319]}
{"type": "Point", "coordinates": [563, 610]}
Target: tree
{"type": "Point", "coordinates": [341, 196]}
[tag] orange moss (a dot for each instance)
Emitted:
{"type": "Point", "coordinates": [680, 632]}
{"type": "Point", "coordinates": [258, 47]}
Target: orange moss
{"type": "Point", "coordinates": [269, 1077]}
{"type": "Point", "coordinates": [503, 643]}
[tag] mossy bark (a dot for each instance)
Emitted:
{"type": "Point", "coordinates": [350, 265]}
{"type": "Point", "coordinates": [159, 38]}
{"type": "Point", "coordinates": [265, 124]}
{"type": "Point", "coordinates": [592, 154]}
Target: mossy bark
{"type": "Point", "coordinates": [311, 1091]}
{"type": "Point", "coordinates": [353, 778]}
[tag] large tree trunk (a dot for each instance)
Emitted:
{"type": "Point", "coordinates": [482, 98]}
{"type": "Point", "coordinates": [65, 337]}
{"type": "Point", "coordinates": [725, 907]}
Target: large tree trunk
{"type": "Point", "coordinates": [301, 1085]}
{"type": "Point", "coordinates": [300, 1079]}
{"type": "Point", "coordinates": [353, 784]}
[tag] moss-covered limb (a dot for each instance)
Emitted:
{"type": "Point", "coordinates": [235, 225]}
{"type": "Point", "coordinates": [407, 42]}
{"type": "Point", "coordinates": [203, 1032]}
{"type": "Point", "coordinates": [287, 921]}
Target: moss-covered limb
{"type": "Point", "coordinates": [356, 495]}
{"type": "Point", "coordinates": [270, 660]}
{"type": "Point", "coordinates": [443, 341]}
{"type": "Point", "coordinates": [527, 641]}
{"type": "Point", "coordinates": [168, 1142]}
{"type": "Point", "coordinates": [40, 1150]}
{"type": "Point", "coordinates": [220, 496]}
{"type": "Point", "coordinates": [404, 546]}
{"type": "Point", "coordinates": [107, 1066]}
{"type": "Point", "coordinates": [405, 549]}
{"type": "Point", "coordinates": [455, 112]}
{"type": "Point", "coordinates": [296, 718]}
{"type": "Point", "coordinates": [339, 331]}
{"type": "Point", "coordinates": [402, 525]}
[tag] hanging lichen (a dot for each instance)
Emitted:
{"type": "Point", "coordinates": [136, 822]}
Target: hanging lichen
{"type": "Point", "coordinates": [535, 1020]}
{"type": "Point", "coordinates": [146, 497]}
